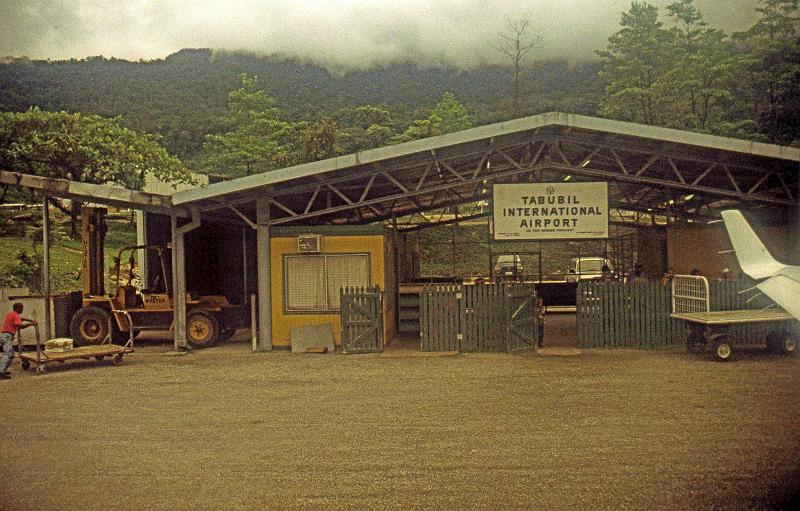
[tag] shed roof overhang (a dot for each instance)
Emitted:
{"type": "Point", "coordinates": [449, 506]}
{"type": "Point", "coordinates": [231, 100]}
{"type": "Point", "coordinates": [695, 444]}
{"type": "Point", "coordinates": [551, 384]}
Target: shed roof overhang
{"type": "Point", "coordinates": [649, 169]}
{"type": "Point", "coordinates": [101, 194]}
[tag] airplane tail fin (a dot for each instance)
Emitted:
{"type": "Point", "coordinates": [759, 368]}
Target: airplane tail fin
{"type": "Point", "coordinates": [754, 258]}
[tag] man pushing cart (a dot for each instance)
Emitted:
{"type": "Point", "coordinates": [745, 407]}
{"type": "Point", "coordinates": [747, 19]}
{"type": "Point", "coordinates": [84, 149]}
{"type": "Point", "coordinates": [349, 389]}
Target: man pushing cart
{"type": "Point", "coordinates": [12, 324]}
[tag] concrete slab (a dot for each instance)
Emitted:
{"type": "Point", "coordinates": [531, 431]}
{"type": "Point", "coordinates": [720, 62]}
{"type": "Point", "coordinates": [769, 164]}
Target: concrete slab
{"type": "Point", "coordinates": [305, 337]}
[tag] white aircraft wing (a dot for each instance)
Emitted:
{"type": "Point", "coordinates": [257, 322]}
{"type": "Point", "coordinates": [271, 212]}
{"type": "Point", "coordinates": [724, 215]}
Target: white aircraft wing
{"type": "Point", "coordinates": [782, 282]}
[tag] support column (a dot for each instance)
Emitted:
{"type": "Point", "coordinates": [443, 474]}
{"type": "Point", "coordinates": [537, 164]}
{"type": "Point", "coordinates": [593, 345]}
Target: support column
{"type": "Point", "coordinates": [46, 267]}
{"type": "Point", "coordinates": [264, 276]}
{"type": "Point", "coordinates": [141, 239]}
{"type": "Point", "coordinates": [179, 277]}
{"type": "Point", "coordinates": [178, 287]}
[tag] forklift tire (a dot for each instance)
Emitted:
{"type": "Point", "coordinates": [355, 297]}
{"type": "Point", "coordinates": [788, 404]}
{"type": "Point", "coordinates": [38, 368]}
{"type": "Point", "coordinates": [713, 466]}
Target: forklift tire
{"type": "Point", "coordinates": [89, 326]}
{"type": "Point", "coordinates": [722, 348]}
{"type": "Point", "coordinates": [202, 329]}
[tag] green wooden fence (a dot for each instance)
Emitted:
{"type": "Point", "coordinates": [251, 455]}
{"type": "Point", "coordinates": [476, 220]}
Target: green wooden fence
{"type": "Point", "coordinates": [625, 315]}
{"type": "Point", "coordinates": [476, 318]}
{"type": "Point", "coordinates": [638, 314]}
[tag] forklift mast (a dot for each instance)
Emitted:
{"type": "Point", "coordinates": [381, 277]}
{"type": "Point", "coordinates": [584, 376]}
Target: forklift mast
{"type": "Point", "coordinates": [93, 234]}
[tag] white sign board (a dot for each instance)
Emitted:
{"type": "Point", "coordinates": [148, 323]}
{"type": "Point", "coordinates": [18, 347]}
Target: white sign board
{"type": "Point", "coordinates": [549, 211]}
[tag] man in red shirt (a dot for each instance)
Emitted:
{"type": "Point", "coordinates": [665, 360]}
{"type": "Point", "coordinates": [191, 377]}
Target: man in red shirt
{"type": "Point", "coordinates": [12, 324]}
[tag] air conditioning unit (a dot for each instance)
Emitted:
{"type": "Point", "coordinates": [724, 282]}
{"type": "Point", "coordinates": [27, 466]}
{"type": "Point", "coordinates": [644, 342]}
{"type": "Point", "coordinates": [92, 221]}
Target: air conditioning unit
{"type": "Point", "coordinates": [309, 244]}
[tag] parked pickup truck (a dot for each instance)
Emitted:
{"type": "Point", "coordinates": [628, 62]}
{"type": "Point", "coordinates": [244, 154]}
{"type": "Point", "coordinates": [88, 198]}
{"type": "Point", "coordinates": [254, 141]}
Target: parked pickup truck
{"type": "Point", "coordinates": [586, 268]}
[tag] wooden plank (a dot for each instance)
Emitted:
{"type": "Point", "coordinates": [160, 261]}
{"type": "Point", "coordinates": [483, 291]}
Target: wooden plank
{"type": "Point", "coordinates": [584, 316]}
{"type": "Point", "coordinates": [423, 320]}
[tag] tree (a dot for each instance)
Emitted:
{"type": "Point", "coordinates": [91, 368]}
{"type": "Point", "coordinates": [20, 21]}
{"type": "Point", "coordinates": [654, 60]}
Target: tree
{"type": "Point", "coordinates": [634, 61]}
{"type": "Point", "coordinates": [85, 148]}
{"type": "Point", "coordinates": [516, 43]}
{"type": "Point", "coordinates": [446, 117]}
{"type": "Point", "coordinates": [772, 77]}
{"type": "Point", "coordinates": [365, 127]}
{"type": "Point", "coordinates": [318, 141]}
{"type": "Point", "coordinates": [701, 74]}
{"type": "Point", "coordinates": [255, 139]}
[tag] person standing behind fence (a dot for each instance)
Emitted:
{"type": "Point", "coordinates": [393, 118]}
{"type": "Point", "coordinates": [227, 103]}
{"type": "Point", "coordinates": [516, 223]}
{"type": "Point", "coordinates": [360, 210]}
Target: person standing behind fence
{"type": "Point", "coordinates": [12, 324]}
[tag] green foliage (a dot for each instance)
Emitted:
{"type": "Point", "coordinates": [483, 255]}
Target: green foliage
{"type": "Point", "coordinates": [255, 136]}
{"type": "Point", "coordinates": [365, 127]}
{"type": "Point", "coordinates": [27, 272]}
{"type": "Point", "coordinates": [319, 140]}
{"type": "Point", "coordinates": [447, 116]}
{"type": "Point", "coordinates": [697, 78]}
{"type": "Point", "coordinates": [634, 62]}
{"type": "Point", "coordinates": [702, 74]}
{"type": "Point", "coordinates": [86, 148]}
{"type": "Point", "coordinates": [193, 84]}
{"type": "Point", "coordinates": [771, 77]}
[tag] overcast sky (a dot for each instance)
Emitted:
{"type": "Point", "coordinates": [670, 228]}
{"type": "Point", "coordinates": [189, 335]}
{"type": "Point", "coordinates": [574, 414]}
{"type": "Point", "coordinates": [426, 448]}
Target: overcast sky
{"type": "Point", "coordinates": [349, 33]}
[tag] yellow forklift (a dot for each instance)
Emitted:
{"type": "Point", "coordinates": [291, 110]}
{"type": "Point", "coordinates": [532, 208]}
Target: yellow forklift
{"type": "Point", "coordinates": [122, 315]}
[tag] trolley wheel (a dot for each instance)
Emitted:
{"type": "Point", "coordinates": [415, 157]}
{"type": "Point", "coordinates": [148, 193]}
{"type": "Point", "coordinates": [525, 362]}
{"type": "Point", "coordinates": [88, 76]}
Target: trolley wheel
{"type": "Point", "coordinates": [788, 345]}
{"type": "Point", "coordinates": [99, 358]}
{"type": "Point", "coordinates": [722, 351]}
{"type": "Point", "coordinates": [774, 342]}
{"type": "Point", "coordinates": [40, 369]}
{"type": "Point", "coordinates": [26, 365]}
{"type": "Point", "coordinates": [695, 343]}
{"type": "Point", "coordinates": [117, 359]}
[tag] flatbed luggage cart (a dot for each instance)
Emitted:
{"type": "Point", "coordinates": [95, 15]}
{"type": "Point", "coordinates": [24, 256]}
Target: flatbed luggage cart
{"type": "Point", "coordinates": [711, 329]}
{"type": "Point", "coordinates": [38, 360]}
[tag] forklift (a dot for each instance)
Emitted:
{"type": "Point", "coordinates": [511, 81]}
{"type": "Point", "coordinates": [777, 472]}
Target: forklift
{"type": "Point", "coordinates": [120, 316]}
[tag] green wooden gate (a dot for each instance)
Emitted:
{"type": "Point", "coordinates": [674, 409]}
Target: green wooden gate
{"type": "Point", "coordinates": [480, 317]}
{"type": "Point", "coordinates": [481, 312]}
{"type": "Point", "coordinates": [520, 316]}
{"type": "Point", "coordinates": [439, 318]}
{"type": "Point", "coordinates": [362, 320]}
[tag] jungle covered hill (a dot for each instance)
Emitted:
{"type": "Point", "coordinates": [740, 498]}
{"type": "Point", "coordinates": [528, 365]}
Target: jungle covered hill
{"type": "Point", "coordinates": [183, 97]}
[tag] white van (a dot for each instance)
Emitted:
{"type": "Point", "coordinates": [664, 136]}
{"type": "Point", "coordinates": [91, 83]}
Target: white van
{"type": "Point", "coordinates": [587, 268]}
{"type": "Point", "coordinates": [508, 265]}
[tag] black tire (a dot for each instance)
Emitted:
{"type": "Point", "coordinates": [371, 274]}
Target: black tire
{"type": "Point", "coordinates": [722, 349]}
{"type": "Point", "coordinates": [89, 326]}
{"type": "Point", "coordinates": [225, 333]}
{"type": "Point", "coordinates": [774, 343]}
{"type": "Point", "coordinates": [202, 329]}
{"type": "Point", "coordinates": [26, 365]}
{"type": "Point", "coordinates": [695, 343]}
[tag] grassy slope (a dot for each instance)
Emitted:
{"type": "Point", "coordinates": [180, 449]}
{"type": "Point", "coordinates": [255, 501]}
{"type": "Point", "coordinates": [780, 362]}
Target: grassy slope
{"type": "Point", "coordinates": [65, 255]}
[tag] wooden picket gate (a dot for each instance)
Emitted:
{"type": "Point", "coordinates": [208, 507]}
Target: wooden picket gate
{"type": "Point", "coordinates": [474, 318]}
{"type": "Point", "coordinates": [521, 320]}
{"type": "Point", "coordinates": [638, 314]}
{"type": "Point", "coordinates": [362, 319]}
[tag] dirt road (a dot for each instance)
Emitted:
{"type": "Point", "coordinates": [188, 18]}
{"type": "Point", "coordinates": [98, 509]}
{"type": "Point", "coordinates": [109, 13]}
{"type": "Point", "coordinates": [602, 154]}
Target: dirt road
{"type": "Point", "coordinates": [226, 429]}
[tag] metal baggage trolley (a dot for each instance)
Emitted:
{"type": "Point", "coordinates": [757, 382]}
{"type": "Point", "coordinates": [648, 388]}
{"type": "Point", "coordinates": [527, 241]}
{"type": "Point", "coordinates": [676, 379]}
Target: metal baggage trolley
{"type": "Point", "coordinates": [711, 329]}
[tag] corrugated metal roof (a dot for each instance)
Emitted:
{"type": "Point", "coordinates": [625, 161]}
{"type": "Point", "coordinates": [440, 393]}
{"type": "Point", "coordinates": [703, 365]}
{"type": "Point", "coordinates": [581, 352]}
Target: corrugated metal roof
{"type": "Point", "coordinates": [685, 138]}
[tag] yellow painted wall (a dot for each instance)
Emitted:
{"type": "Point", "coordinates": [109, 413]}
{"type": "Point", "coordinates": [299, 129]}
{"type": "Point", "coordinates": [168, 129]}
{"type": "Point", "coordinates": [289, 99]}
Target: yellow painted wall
{"type": "Point", "coordinates": [282, 322]}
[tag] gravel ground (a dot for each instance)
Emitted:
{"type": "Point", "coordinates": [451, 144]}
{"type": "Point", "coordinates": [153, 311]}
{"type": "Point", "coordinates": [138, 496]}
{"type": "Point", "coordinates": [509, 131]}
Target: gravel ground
{"type": "Point", "coordinates": [226, 429]}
